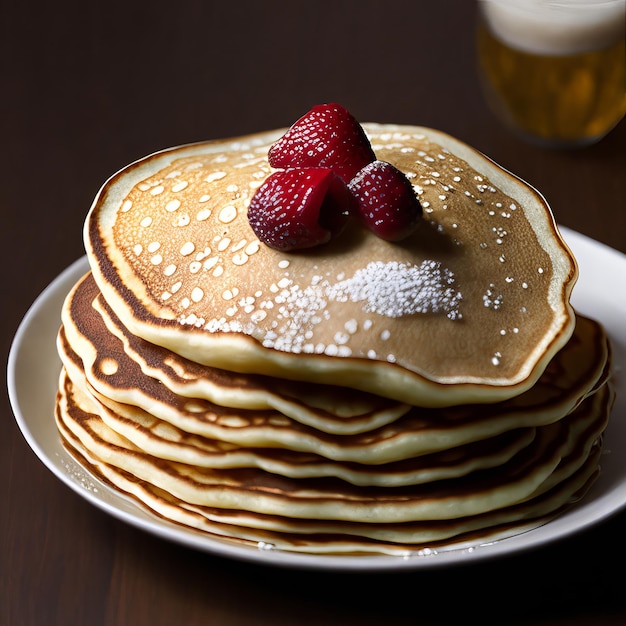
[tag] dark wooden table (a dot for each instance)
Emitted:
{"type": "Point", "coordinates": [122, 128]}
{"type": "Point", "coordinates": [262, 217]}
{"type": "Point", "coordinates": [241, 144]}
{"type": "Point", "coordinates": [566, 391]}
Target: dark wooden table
{"type": "Point", "coordinates": [90, 86]}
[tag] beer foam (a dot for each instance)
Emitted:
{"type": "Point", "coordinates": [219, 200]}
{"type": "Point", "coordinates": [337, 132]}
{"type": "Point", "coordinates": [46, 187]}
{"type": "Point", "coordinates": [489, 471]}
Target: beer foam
{"type": "Point", "coordinates": [555, 27]}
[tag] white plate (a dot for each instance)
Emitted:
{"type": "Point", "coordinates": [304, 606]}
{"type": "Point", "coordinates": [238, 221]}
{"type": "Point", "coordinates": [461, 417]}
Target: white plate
{"type": "Point", "coordinates": [34, 365]}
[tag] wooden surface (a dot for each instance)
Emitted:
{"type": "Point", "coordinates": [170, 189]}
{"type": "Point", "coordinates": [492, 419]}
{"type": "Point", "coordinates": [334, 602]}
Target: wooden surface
{"type": "Point", "coordinates": [88, 87]}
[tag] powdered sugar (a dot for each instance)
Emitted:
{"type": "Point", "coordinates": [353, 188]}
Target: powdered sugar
{"type": "Point", "coordinates": [396, 289]}
{"type": "Point", "coordinates": [390, 289]}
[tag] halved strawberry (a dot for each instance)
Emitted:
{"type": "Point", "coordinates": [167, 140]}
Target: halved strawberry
{"type": "Point", "coordinates": [300, 208]}
{"type": "Point", "coordinates": [327, 136]}
{"type": "Point", "coordinates": [387, 203]}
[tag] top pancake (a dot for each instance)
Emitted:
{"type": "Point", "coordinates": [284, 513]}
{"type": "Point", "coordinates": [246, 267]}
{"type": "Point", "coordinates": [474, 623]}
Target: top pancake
{"type": "Point", "coordinates": [470, 308]}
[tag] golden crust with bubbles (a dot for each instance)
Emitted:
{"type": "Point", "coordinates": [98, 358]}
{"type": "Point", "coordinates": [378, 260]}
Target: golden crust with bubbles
{"type": "Point", "coordinates": [470, 308]}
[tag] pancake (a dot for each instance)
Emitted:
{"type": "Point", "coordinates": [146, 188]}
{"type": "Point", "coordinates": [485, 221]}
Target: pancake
{"type": "Point", "coordinates": [544, 478]}
{"type": "Point", "coordinates": [162, 439]}
{"type": "Point", "coordinates": [324, 407]}
{"type": "Point", "coordinates": [361, 396]}
{"type": "Point", "coordinates": [428, 537]}
{"type": "Point", "coordinates": [470, 308]}
{"type": "Point", "coordinates": [88, 350]}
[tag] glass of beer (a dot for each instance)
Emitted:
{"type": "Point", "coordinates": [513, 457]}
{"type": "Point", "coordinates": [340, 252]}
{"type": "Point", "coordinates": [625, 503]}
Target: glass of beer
{"type": "Point", "coordinates": [554, 70]}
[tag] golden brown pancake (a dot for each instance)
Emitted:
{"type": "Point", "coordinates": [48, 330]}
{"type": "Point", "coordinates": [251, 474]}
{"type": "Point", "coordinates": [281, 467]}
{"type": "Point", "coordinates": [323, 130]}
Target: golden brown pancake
{"type": "Point", "coordinates": [538, 481]}
{"type": "Point", "coordinates": [162, 439]}
{"type": "Point", "coordinates": [263, 478]}
{"type": "Point", "coordinates": [213, 523]}
{"type": "Point", "coordinates": [470, 308]}
{"type": "Point", "coordinates": [362, 396]}
{"type": "Point", "coordinates": [328, 408]}
{"type": "Point", "coordinates": [119, 381]}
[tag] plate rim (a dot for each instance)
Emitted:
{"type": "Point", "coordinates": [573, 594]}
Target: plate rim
{"type": "Point", "coordinates": [122, 507]}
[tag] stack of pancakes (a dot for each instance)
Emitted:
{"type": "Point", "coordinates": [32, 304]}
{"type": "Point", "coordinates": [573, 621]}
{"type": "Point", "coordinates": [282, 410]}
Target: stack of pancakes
{"type": "Point", "coordinates": [358, 397]}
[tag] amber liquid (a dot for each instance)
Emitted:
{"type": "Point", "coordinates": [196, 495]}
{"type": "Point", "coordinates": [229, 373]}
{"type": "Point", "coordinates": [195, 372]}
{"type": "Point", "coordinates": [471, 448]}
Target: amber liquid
{"type": "Point", "coordinates": [570, 99]}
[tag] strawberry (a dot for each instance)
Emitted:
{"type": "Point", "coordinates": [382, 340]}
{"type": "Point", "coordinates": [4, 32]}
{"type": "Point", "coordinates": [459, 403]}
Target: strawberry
{"type": "Point", "coordinates": [327, 136]}
{"type": "Point", "coordinates": [300, 208]}
{"type": "Point", "coordinates": [386, 201]}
